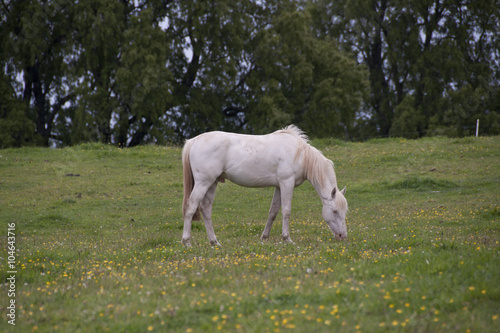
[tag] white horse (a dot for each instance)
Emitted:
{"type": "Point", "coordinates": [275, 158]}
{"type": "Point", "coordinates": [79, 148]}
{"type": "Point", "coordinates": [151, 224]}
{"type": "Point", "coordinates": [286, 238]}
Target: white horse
{"type": "Point", "coordinates": [282, 159]}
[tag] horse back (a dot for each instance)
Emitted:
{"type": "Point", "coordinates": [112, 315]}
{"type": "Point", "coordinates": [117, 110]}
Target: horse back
{"type": "Point", "coordinates": [248, 160]}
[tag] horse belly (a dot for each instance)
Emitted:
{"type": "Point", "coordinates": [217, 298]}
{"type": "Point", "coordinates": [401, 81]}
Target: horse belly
{"type": "Point", "coordinates": [258, 167]}
{"type": "Point", "coordinates": [251, 165]}
{"type": "Point", "coordinates": [251, 179]}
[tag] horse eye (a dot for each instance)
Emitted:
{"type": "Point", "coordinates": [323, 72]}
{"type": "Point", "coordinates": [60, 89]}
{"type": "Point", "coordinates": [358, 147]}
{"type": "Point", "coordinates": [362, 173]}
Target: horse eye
{"type": "Point", "coordinates": [336, 212]}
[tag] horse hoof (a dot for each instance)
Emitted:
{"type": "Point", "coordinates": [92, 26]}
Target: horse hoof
{"type": "Point", "coordinates": [186, 242]}
{"type": "Point", "coordinates": [215, 243]}
{"type": "Point", "coordinates": [264, 238]}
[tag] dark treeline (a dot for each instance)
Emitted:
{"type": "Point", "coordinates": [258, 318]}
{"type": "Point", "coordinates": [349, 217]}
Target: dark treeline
{"type": "Point", "coordinates": [134, 72]}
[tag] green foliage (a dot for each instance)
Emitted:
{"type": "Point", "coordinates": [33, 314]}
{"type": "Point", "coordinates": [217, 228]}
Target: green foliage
{"type": "Point", "coordinates": [100, 27]}
{"type": "Point", "coordinates": [137, 72]}
{"type": "Point", "coordinates": [408, 121]}
{"type": "Point", "coordinates": [38, 43]}
{"type": "Point", "coordinates": [441, 55]}
{"type": "Point", "coordinates": [16, 129]}
{"type": "Point", "coordinates": [314, 85]}
{"type": "Point", "coordinates": [460, 111]}
{"type": "Point", "coordinates": [142, 82]}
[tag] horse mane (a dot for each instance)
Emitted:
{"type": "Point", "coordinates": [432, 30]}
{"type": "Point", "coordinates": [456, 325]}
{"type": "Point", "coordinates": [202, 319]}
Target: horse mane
{"type": "Point", "coordinates": [294, 130]}
{"type": "Point", "coordinates": [341, 202]}
{"type": "Point", "coordinates": [316, 165]}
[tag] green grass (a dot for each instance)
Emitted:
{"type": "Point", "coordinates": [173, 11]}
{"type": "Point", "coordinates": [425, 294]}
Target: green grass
{"type": "Point", "coordinates": [98, 234]}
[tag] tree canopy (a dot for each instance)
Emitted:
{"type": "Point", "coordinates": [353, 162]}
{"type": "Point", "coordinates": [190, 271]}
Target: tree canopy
{"type": "Point", "coordinates": [135, 72]}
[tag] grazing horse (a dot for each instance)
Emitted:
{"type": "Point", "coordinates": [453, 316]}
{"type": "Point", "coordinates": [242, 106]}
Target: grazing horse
{"type": "Point", "coordinates": [283, 159]}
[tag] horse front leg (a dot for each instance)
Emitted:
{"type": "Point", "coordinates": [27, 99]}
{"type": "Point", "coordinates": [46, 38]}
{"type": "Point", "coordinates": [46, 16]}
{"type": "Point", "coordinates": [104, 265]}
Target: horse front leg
{"type": "Point", "coordinates": [206, 210]}
{"type": "Point", "coordinates": [273, 212]}
{"type": "Point", "coordinates": [286, 208]}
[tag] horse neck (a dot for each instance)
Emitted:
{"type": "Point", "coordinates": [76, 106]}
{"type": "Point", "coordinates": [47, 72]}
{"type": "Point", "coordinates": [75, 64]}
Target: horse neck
{"type": "Point", "coordinates": [317, 170]}
{"type": "Point", "coordinates": [324, 189]}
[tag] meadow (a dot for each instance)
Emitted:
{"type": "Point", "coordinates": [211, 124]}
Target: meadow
{"type": "Point", "coordinates": [98, 230]}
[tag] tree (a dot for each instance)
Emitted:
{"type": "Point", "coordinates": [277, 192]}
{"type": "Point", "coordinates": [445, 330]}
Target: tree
{"type": "Point", "coordinates": [38, 51]}
{"type": "Point", "coordinates": [428, 49]}
{"type": "Point", "coordinates": [99, 29]}
{"type": "Point", "coordinates": [16, 129]}
{"type": "Point", "coordinates": [258, 67]}
{"type": "Point", "coordinates": [143, 83]}
{"type": "Point", "coordinates": [307, 81]}
{"type": "Point", "coordinates": [133, 72]}
{"type": "Point", "coordinates": [473, 65]}
{"type": "Point", "coordinates": [208, 62]}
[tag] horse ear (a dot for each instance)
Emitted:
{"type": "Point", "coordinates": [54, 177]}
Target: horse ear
{"type": "Point", "coordinates": [334, 191]}
{"type": "Point", "coordinates": [343, 190]}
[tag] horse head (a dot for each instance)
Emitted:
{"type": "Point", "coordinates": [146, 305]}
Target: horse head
{"type": "Point", "coordinates": [334, 212]}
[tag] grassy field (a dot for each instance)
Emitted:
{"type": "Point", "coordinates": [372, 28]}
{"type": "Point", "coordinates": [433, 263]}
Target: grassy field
{"type": "Point", "coordinates": [98, 230]}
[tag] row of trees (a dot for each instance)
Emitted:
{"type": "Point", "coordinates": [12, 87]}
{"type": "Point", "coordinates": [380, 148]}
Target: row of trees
{"type": "Point", "coordinates": [132, 72]}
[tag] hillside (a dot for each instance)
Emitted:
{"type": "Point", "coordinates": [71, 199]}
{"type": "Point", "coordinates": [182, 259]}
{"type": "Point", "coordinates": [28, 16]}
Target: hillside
{"type": "Point", "coordinates": [97, 233]}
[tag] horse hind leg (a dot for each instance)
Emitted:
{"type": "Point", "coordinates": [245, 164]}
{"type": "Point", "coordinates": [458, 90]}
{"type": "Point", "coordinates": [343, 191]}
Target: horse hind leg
{"type": "Point", "coordinates": [206, 211]}
{"type": "Point", "coordinates": [273, 212]}
{"type": "Point", "coordinates": [197, 195]}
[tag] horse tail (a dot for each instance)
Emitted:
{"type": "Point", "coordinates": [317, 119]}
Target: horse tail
{"type": "Point", "coordinates": [187, 174]}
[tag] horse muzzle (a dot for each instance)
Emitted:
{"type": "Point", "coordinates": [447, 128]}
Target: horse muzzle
{"type": "Point", "coordinates": [340, 236]}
